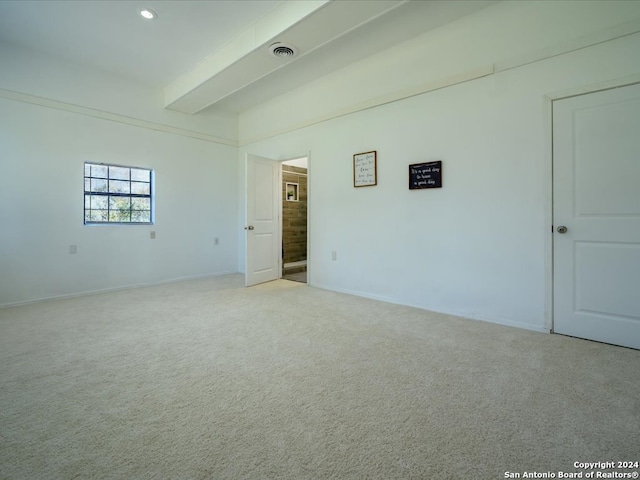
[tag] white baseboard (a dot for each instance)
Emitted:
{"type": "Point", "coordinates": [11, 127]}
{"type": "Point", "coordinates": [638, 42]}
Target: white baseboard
{"type": "Point", "coordinates": [465, 315]}
{"type": "Point", "coordinates": [113, 289]}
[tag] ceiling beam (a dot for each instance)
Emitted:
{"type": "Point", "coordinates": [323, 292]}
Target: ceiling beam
{"type": "Point", "coordinates": [306, 25]}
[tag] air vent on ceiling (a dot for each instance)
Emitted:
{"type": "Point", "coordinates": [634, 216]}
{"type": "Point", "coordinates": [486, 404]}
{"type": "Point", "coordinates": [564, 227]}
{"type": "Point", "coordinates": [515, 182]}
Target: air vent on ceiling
{"type": "Point", "coordinates": [282, 50]}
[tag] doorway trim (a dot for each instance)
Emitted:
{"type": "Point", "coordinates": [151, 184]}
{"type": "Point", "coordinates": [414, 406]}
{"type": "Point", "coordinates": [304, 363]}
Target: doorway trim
{"type": "Point", "coordinates": [279, 201]}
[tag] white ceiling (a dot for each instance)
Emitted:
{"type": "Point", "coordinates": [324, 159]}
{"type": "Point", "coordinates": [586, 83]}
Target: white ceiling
{"type": "Point", "coordinates": [215, 52]}
{"type": "Point", "coordinates": [111, 36]}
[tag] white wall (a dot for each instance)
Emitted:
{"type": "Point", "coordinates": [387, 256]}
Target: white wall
{"type": "Point", "coordinates": [31, 73]}
{"type": "Point", "coordinates": [479, 247]}
{"type": "Point", "coordinates": [54, 117]}
{"type": "Point", "coordinates": [42, 152]}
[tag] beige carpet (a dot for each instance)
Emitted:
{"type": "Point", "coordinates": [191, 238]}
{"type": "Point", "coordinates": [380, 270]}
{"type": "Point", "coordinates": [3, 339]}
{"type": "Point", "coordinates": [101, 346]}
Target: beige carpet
{"type": "Point", "coordinates": [207, 379]}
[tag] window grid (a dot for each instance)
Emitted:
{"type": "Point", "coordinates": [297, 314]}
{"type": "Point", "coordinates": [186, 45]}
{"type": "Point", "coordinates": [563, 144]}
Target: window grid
{"type": "Point", "coordinates": [115, 194]}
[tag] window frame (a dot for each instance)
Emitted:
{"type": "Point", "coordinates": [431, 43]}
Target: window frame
{"type": "Point", "coordinates": [109, 195]}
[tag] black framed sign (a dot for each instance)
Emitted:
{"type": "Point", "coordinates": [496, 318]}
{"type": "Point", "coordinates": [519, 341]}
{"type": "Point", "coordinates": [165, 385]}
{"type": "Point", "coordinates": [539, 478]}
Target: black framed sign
{"type": "Point", "coordinates": [365, 169]}
{"type": "Point", "coordinates": [425, 175]}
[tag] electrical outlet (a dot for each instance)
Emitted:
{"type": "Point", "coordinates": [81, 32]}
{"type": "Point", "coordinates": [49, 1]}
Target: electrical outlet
{"type": "Point", "coordinates": [334, 255]}
{"type": "Point", "coordinates": [216, 241]}
{"type": "Point", "coordinates": [73, 249]}
{"type": "Point", "coordinates": [152, 235]}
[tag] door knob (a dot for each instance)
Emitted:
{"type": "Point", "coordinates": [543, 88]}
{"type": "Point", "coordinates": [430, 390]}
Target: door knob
{"type": "Point", "coordinates": [561, 229]}
{"type": "Point", "coordinates": [250, 227]}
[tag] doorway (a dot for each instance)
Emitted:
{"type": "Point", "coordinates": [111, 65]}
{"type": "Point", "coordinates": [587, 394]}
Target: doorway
{"type": "Point", "coordinates": [596, 216]}
{"type": "Point", "coordinates": [294, 174]}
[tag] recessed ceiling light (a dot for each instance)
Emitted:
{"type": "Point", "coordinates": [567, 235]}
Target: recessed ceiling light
{"type": "Point", "coordinates": [148, 14]}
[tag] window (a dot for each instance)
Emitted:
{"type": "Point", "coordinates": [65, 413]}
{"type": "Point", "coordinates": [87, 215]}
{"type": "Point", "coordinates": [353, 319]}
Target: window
{"type": "Point", "coordinates": [117, 194]}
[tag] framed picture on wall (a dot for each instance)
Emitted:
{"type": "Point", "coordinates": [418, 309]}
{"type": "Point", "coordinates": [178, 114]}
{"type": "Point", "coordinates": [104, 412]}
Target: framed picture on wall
{"type": "Point", "coordinates": [291, 192]}
{"type": "Point", "coordinates": [425, 175]}
{"type": "Point", "coordinates": [365, 169]}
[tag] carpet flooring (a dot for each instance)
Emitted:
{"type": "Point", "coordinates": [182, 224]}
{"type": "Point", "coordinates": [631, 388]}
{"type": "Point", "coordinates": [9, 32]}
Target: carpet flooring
{"type": "Point", "coordinates": [207, 379]}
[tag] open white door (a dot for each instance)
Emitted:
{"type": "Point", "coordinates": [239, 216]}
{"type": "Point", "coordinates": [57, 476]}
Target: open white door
{"type": "Point", "coordinates": [596, 216]}
{"type": "Point", "coordinates": [263, 225]}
